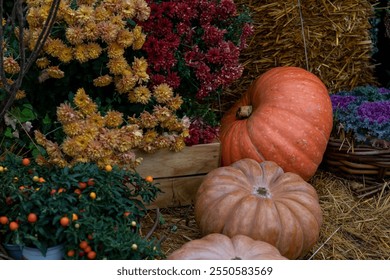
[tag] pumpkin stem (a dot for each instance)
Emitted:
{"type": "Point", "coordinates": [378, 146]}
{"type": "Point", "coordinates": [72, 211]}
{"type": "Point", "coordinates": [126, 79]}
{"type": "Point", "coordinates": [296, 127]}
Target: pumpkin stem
{"type": "Point", "coordinates": [263, 192]}
{"type": "Point", "coordinates": [244, 112]}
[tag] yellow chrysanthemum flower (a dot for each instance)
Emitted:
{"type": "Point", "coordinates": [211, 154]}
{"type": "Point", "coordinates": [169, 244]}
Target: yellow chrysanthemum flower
{"type": "Point", "coordinates": [75, 35]}
{"type": "Point", "coordinates": [55, 72]}
{"type": "Point", "coordinates": [102, 81]}
{"type": "Point", "coordinates": [178, 145]}
{"type": "Point", "coordinates": [175, 103]}
{"type": "Point", "coordinates": [84, 13]}
{"type": "Point", "coordinates": [11, 66]}
{"type": "Point", "coordinates": [65, 55]}
{"type": "Point", "coordinates": [150, 136]}
{"type": "Point", "coordinates": [94, 151]}
{"type": "Point", "coordinates": [139, 42]}
{"type": "Point", "coordinates": [141, 95]}
{"type": "Point", "coordinates": [108, 31]}
{"type": "Point", "coordinates": [95, 121]}
{"type": "Point", "coordinates": [53, 47]}
{"type": "Point", "coordinates": [163, 93]}
{"type": "Point", "coordinates": [101, 13]}
{"type": "Point", "coordinates": [81, 53]}
{"type": "Point", "coordinates": [66, 114]}
{"type": "Point", "coordinates": [126, 83]}
{"type": "Point", "coordinates": [125, 38]}
{"type": "Point", "coordinates": [113, 119]}
{"type": "Point", "coordinates": [20, 94]}
{"type": "Point", "coordinates": [34, 17]}
{"type": "Point", "coordinates": [147, 120]}
{"type": "Point", "coordinates": [142, 10]}
{"type": "Point", "coordinates": [91, 31]}
{"type": "Point", "coordinates": [117, 65]}
{"type": "Point", "coordinates": [94, 50]}
{"type": "Point", "coordinates": [73, 129]}
{"type": "Point", "coordinates": [42, 62]}
{"type": "Point", "coordinates": [85, 104]}
{"type": "Point", "coordinates": [115, 50]}
{"type": "Point", "coordinates": [162, 113]}
{"type": "Point", "coordinates": [140, 66]}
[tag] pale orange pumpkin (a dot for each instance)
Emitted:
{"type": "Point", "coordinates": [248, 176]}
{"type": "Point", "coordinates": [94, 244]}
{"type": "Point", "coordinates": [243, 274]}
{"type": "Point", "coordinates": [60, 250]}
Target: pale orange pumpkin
{"type": "Point", "coordinates": [290, 122]}
{"type": "Point", "coordinates": [263, 202]}
{"type": "Point", "coordinates": [217, 246]}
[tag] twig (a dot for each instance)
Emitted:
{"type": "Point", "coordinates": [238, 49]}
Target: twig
{"type": "Point", "coordinates": [323, 244]}
{"type": "Point", "coordinates": [154, 225]}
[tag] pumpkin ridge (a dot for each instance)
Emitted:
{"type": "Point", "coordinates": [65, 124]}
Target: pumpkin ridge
{"type": "Point", "coordinates": [236, 224]}
{"type": "Point", "coordinates": [307, 238]}
{"type": "Point", "coordinates": [280, 143]}
{"type": "Point", "coordinates": [296, 239]}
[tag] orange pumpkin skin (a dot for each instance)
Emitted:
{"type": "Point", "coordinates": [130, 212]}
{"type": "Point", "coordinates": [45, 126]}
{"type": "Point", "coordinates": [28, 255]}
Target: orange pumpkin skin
{"type": "Point", "coordinates": [290, 124]}
{"type": "Point", "coordinates": [217, 246]}
{"type": "Point", "coordinates": [263, 202]}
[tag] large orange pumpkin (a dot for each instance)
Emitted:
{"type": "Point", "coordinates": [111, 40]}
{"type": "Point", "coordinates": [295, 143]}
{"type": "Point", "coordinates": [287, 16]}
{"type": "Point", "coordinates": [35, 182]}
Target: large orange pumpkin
{"type": "Point", "coordinates": [217, 246]}
{"type": "Point", "coordinates": [290, 122]}
{"type": "Point", "coordinates": [263, 202]}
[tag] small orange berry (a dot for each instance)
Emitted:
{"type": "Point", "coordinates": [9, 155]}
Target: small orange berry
{"type": "Point", "coordinates": [4, 220]}
{"type": "Point", "coordinates": [75, 217]}
{"type": "Point", "coordinates": [92, 195]}
{"type": "Point", "coordinates": [91, 182]}
{"type": "Point", "coordinates": [88, 249]}
{"type": "Point", "coordinates": [91, 255]}
{"type": "Point", "coordinates": [35, 178]}
{"type": "Point", "coordinates": [108, 168]}
{"type": "Point", "coordinates": [13, 226]}
{"type": "Point", "coordinates": [41, 180]}
{"type": "Point", "coordinates": [149, 179]}
{"type": "Point", "coordinates": [32, 218]}
{"type": "Point", "coordinates": [82, 185]}
{"type": "Point", "coordinates": [71, 253]}
{"type": "Point", "coordinates": [64, 221]}
{"type": "Point", "coordinates": [83, 244]}
{"type": "Point", "coordinates": [26, 161]}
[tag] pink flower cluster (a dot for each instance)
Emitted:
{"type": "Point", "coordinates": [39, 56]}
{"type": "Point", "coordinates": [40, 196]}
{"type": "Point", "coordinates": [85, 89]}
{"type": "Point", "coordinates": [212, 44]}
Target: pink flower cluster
{"type": "Point", "coordinates": [194, 45]}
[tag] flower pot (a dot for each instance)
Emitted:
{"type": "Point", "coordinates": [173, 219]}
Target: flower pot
{"type": "Point", "coordinates": [53, 253]}
{"type": "Point", "coordinates": [14, 251]}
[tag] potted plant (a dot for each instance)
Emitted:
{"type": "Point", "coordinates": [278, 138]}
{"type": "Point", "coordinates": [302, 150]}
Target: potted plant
{"type": "Point", "coordinates": [360, 144]}
{"type": "Point", "coordinates": [42, 206]}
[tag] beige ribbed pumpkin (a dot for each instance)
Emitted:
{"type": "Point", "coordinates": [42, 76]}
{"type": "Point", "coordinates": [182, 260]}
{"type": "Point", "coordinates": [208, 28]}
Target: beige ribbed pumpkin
{"type": "Point", "coordinates": [263, 202]}
{"type": "Point", "coordinates": [217, 246]}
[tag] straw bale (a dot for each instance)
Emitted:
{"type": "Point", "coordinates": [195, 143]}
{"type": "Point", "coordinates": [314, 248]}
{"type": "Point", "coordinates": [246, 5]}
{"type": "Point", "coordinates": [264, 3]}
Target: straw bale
{"type": "Point", "coordinates": [353, 228]}
{"type": "Point", "coordinates": [330, 38]}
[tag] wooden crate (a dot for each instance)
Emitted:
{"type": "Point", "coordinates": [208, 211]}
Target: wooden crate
{"type": "Point", "coordinates": [179, 174]}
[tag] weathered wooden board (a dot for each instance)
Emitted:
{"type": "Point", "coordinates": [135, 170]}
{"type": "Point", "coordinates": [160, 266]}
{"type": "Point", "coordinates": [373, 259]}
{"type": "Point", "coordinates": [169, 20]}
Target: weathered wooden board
{"type": "Point", "coordinates": [179, 191]}
{"type": "Point", "coordinates": [192, 160]}
{"type": "Point", "coordinates": [179, 174]}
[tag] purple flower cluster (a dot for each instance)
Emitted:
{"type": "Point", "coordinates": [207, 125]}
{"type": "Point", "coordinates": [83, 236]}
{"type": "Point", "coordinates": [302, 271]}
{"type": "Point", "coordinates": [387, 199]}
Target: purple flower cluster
{"type": "Point", "coordinates": [364, 111]}
{"type": "Point", "coordinates": [375, 112]}
{"type": "Point", "coordinates": [341, 102]}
